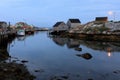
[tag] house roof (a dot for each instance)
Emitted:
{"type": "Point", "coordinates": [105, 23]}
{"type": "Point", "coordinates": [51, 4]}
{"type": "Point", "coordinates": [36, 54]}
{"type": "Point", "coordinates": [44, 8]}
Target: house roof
{"type": "Point", "coordinates": [3, 22]}
{"type": "Point", "coordinates": [57, 24]}
{"type": "Point", "coordinates": [101, 19]}
{"type": "Point", "coordinates": [74, 20]}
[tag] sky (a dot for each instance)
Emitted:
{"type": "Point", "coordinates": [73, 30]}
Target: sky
{"type": "Point", "coordinates": [45, 13]}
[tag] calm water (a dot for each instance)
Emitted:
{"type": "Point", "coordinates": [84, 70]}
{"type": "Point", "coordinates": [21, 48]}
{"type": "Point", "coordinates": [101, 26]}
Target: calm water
{"type": "Point", "coordinates": [56, 58]}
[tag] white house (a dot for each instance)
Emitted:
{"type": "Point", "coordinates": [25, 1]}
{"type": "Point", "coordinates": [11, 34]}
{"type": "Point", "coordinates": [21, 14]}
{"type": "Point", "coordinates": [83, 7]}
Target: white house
{"type": "Point", "coordinates": [60, 26]}
{"type": "Point", "coordinates": [72, 23]}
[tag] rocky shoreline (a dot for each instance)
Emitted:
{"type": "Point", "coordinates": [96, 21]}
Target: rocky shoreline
{"type": "Point", "coordinates": [96, 37]}
{"type": "Point", "coordinates": [14, 71]}
{"type": "Point", "coordinates": [93, 37]}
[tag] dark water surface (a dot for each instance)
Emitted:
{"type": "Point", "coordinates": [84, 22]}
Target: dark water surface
{"type": "Point", "coordinates": [55, 58]}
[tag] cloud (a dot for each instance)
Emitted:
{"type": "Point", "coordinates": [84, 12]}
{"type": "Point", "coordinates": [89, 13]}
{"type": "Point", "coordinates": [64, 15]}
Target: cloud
{"type": "Point", "coordinates": [56, 9]}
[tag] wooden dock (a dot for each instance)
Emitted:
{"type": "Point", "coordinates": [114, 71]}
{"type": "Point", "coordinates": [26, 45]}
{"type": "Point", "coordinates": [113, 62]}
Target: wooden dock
{"type": "Point", "coordinates": [7, 34]}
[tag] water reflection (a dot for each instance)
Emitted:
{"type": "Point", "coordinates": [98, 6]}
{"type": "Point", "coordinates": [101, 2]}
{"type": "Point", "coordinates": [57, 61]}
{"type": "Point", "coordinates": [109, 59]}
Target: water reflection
{"type": "Point", "coordinates": [72, 59]}
{"type": "Point", "coordinates": [71, 43]}
{"type": "Point", "coordinates": [108, 47]}
{"type": "Point", "coordinates": [86, 56]}
{"type": "Point", "coordinates": [60, 41]}
{"type": "Point", "coordinates": [21, 38]}
{"type": "Point", "coordinates": [109, 50]}
{"type": "Point", "coordinates": [95, 45]}
{"type": "Point", "coordinates": [10, 68]}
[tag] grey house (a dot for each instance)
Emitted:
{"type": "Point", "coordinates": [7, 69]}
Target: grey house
{"type": "Point", "coordinates": [72, 23]}
{"type": "Point", "coordinates": [60, 26]}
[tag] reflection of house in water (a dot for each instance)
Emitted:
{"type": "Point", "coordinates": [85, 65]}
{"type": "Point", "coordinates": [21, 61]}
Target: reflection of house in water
{"type": "Point", "coordinates": [102, 46]}
{"type": "Point", "coordinates": [72, 43]}
{"type": "Point", "coordinates": [60, 41]}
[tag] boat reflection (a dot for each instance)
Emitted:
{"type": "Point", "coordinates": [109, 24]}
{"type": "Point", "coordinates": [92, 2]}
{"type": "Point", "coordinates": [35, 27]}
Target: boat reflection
{"type": "Point", "coordinates": [21, 38]}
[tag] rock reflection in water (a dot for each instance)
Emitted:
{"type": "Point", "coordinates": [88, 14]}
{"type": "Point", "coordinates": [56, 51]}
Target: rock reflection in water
{"type": "Point", "coordinates": [86, 56]}
{"type": "Point", "coordinates": [74, 43]}
{"type": "Point", "coordinates": [101, 46]}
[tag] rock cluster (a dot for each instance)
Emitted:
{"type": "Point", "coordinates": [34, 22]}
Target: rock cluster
{"type": "Point", "coordinates": [14, 71]}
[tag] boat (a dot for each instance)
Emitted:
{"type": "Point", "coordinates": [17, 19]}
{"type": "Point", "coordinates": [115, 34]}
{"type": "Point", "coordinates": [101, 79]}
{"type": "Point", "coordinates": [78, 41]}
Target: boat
{"type": "Point", "coordinates": [21, 32]}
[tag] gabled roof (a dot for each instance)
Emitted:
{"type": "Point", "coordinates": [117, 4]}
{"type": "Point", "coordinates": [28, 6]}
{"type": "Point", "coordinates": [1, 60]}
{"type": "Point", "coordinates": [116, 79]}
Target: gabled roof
{"type": "Point", "coordinates": [74, 20]}
{"type": "Point", "coordinates": [101, 19]}
{"type": "Point", "coordinates": [3, 22]}
{"type": "Point", "coordinates": [57, 24]}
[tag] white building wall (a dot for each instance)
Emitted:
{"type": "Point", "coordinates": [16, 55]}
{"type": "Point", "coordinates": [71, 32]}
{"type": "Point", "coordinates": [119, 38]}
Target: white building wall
{"type": "Point", "coordinates": [69, 24]}
{"type": "Point", "coordinates": [55, 28]}
{"type": "Point", "coordinates": [73, 25]}
{"type": "Point", "coordinates": [63, 27]}
{"type": "Point", "coordinates": [113, 25]}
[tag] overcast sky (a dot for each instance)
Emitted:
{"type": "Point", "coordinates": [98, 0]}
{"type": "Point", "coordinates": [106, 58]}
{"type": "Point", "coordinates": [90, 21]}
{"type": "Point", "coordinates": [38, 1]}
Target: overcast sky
{"type": "Point", "coordinates": [45, 13]}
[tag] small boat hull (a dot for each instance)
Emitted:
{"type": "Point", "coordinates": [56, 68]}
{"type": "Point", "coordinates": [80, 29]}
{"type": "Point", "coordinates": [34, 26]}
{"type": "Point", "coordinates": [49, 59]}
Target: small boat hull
{"type": "Point", "coordinates": [21, 32]}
